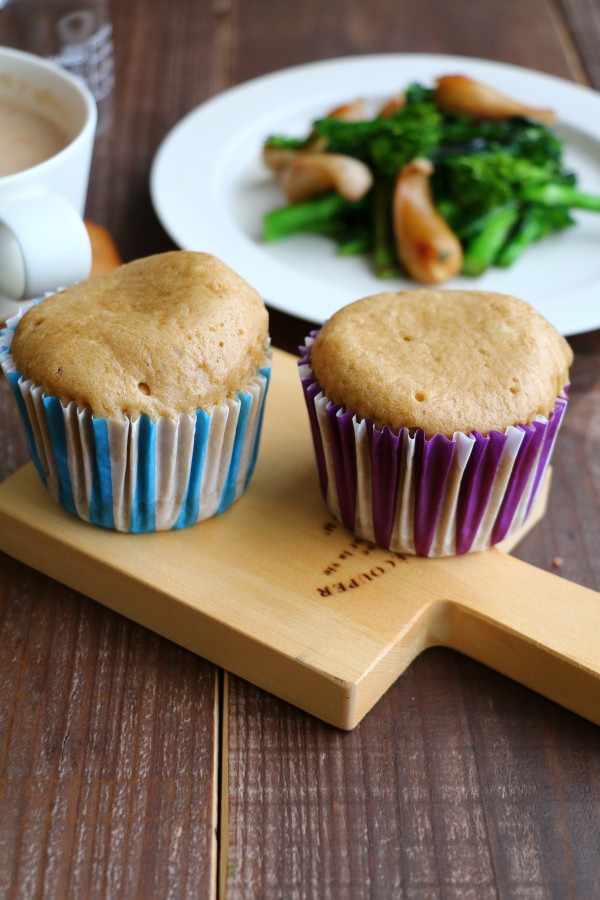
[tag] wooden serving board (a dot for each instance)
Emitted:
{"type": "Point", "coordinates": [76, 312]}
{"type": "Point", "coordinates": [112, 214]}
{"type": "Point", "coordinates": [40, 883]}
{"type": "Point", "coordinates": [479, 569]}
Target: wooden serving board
{"type": "Point", "coordinates": [277, 592]}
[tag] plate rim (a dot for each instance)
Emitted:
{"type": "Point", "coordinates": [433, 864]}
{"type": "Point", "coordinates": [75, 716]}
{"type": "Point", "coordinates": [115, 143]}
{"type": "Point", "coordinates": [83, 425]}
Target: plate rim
{"type": "Point", "coordinates": [575, 116]}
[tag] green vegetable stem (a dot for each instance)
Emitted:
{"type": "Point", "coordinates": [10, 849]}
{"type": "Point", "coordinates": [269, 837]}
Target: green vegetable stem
{"type": "Point", "coordinates": [500, 185]}
{"type": "Point", "coordinates": [324, 214]}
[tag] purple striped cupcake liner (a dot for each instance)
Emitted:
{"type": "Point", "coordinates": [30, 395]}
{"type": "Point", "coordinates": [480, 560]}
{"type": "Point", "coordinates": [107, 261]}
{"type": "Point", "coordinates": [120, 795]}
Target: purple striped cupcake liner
{"type": "Point", "coordinates": [435, 496]}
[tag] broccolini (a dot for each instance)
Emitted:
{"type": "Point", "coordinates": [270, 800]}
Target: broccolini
{"type": "Point", "coordinates": [499, 184]}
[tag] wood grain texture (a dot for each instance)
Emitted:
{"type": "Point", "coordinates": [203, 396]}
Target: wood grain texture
{"type": "Point", "coordinates": [108, 734]}
{"type": "Point", "coordinates": [170, 57]}
{"type": "Point", "coordinates": [459, 783]}
{"type": "Point", "coordinates": [582, 21]}
{"type": "Point", "coordinates": [303, 609]}
{"type": "Point", "coordinates": [168, 60]}
{"type": "Point", "coordinates": [490, 30]}
{"type": "Point", "coordinates": [107, 744]}
{"type": "Point", "coordinates": [468, 785]}
{"type": "Point", "coordinates": [570, 532]}
{"type": "Point", "coordinates": [107, 751]}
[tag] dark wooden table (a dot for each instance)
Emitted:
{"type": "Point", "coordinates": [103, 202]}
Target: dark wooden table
{"type": "Point", "coordinates": [131, 768]}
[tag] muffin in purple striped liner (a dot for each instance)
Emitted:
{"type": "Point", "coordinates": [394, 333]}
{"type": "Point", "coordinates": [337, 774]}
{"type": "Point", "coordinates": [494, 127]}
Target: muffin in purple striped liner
{"type": "Point", "coordinates": [434, 415]}
{"type": "Point", "coordinates": [142, 391]}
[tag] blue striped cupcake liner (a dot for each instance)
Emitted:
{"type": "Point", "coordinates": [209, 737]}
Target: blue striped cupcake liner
{"type": "Point", "coordinates": [143, 475]}
{"type": "Point", "coordinates": [434, 496]}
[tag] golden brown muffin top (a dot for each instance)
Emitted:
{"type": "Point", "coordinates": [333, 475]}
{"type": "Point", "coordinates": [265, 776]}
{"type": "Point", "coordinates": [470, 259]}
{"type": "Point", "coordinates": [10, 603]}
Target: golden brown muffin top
{"type": "Point", "coordinates": [443, 361]}
{"type": "Point", "coordinates": [164, 335]}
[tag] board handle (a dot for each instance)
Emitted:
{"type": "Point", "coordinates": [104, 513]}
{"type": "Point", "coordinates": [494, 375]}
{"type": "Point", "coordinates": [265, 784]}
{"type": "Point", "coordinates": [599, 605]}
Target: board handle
{"type": "Point", "coordinates": [531, 625]}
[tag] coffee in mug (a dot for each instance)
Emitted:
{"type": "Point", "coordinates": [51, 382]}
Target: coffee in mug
{"type": "Point", "coordinates": [27, 138]}
{"type": "Point", "coordinates": [45, 111]}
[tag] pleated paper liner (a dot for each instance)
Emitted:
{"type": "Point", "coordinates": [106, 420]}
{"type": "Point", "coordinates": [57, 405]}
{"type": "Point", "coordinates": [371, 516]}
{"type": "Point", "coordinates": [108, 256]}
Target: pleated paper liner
{"type": "Point", "coordinates": [277, 592]}
{"type": "Point", "coordinates": [140, 475]}
{"type": "Point", "coordinates": [434, 496]}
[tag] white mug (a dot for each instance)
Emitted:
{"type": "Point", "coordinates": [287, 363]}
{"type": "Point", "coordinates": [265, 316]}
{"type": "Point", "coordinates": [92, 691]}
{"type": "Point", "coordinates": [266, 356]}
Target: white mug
{"type": "Point", "coordinates": [43, 240]}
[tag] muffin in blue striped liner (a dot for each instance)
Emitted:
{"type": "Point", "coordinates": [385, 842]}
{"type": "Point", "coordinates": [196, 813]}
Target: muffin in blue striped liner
{"type": "Point", "coordinates": [406, 487]}
{"type": "Point", "coordinates": [138, 473]}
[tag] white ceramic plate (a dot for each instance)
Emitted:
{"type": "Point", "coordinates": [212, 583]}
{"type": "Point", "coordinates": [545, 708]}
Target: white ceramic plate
{"type": "Point", "coordinates": [211, 191]}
